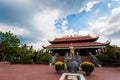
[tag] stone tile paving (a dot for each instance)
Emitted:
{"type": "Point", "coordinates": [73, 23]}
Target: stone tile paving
{"type": "Point", "coordinates": [46, 72]}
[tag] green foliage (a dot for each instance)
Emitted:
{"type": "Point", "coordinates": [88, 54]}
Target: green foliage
{"type": "Point", "coordinates": [11, 50]}
{"type": "Point", "coordinates": [118, 58]}
{"type": "Point", "coordinates": [110, 49]}
{"type": "Point", "coordinates": [42, 57]}
{"type": "Point", "coordinates": [88, 67]}
{"type": "Point", "coordinates": [111, 56]}
{"type": "Point", "coordinates": [47, 58]}
{"type": "Point", "coordinates": [59, 66]}
{"type": "Point", "coordinates": [16, 60]}
{"type": "Point", "coordinates": [33, 57]}
{"type": "Point", "coordinates": [103, 59]}
{"type": "Point", "coordinates": [10, 39]}
{"type": "Point", "coordinates": [8, 44]}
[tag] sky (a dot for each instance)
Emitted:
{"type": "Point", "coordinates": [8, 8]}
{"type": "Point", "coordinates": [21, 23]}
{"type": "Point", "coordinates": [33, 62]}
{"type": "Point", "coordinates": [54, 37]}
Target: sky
{"type": "Point", "coordinates": [37, 21]}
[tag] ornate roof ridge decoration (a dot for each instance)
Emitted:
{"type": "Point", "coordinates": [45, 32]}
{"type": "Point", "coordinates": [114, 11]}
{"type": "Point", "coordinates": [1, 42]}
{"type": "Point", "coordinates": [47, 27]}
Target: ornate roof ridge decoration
{"type": "Point", "coordinates": [69, 36]}
{"type": "Point", "coordinates": [77, 41]}
{"type": "Point", "coordinates": [108, 41]}
{"type": "Point", "coordinates": [55, 37]}
{"type": "Point", "coordinates": [88, 34]}
{"type": "Point", "coordinates": [49, 40]}
{"type": "Point", "coordinates": [43, 45]}
{"type": "Point", "coordinates": [97, 37]}
{"type": "Point", "coordinates": [74, 38]}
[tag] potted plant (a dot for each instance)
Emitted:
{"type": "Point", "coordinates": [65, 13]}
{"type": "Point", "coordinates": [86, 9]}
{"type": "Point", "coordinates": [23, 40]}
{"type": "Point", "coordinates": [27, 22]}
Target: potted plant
{"type": "Point", "coordinates": [59, 66]}
{"type": "Point", "coordinates": [88, 67]}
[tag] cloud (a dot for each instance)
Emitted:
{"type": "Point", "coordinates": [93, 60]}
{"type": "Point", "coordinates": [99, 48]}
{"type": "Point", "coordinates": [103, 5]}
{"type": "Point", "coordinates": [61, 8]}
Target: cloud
{"type": "Point", "coordinates": [89, 5]}
{"type": "Point", "coordinates": [109, 5]}
{"type": "Point", "coordinates": [108, 26]}
{"type": "Point", "coordinates": [34, 20]}
{"type": "Point", "coordinates": [44, 23]}
{"type": "Point", "coordinates": [115, 16]}
{"type": "Point", "coordinates": [15, 30]}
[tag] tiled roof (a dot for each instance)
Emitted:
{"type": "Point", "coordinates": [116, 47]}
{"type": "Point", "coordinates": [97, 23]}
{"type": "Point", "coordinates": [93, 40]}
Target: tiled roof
{"type": "Point", "coordinates": [80, 44]}
{"type": "Point", "coordinates": [78, 38]}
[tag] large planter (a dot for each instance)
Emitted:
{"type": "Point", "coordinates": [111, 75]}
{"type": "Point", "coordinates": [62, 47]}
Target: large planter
{"type": "Point", "coordinates": [88, 67]}
{"type": "Point", "coordinates": [59, 66]}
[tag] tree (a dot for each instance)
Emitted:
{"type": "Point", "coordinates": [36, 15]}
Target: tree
{"type": "Point", "coordinates": [11, 50]}
{"type": "Point", "coordinates": [8, 45]}
{"type": "Point", "coordinates": [113, 55]}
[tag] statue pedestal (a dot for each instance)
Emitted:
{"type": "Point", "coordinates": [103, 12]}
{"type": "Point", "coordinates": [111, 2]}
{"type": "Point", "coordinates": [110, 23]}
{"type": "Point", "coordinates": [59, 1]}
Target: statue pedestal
{"type": "Point", "coordinates": [73, 66]}
{"type": "Point", "coordinates": [72, 76]}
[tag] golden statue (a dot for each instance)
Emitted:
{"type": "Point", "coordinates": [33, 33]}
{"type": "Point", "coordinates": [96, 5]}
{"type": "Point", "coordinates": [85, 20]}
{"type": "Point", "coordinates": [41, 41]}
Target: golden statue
{"type": "Point", "coordinates": [71, 52]}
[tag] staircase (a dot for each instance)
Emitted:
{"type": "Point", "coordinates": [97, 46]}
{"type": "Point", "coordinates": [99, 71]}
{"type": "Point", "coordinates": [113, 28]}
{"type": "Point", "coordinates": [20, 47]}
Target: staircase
{"type": "Point", "coordinates": [85, 58]}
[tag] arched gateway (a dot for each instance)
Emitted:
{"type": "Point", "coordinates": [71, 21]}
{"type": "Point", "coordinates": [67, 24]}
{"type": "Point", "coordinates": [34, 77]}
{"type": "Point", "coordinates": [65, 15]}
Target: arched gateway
{"type": "Point", "coordinates": [82, 45]}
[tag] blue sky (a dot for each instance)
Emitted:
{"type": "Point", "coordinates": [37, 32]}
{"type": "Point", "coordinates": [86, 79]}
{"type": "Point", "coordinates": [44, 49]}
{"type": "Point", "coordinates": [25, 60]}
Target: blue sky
{"type": "Point", "coordinates": [37, 21]}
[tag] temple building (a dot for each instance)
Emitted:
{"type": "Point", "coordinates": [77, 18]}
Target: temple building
{"type": "Point", "coordinates": [82, 45]}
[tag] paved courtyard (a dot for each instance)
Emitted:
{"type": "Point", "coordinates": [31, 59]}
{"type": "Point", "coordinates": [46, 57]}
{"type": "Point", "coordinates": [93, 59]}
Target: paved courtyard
{"type": "Point", "coordinates": [46, 72]}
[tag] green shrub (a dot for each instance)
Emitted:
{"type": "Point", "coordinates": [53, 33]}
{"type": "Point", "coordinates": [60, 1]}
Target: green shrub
{"type": "Point", "coordinates": [103, 59]}
{"type": "Point", "coordinates": [1, 57]}
{"type": "Point", "coordinates": [113, 55]}
{"type": "Point", "coordinates": [37, 62]}
{"type": "Point", "coordinates": [88, 67]}
{"type": "Point", "coordinates": [16, 60]}
{"type": "Point", "coordinates": [28, 62]}
{"type": "Point", "coordinates": [59, 66]}
{"type": "Point", "coordinates": [47, 58]}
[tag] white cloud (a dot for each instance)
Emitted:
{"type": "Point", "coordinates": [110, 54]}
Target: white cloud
{"type": "Point", "coordinates": [44, 22]}
{"type": "Point", "coordinates": [108, 26]}
{"type": "Point", "coordinates": [115, 42]}
{"type": "Point", "coordinates": [15, 30]}
{"type": "Point", "coordinates": [89, 5]}
{"type": "Point", "coordinates": [37, 45]}
{"type": "Point", "coordinates": [109, 5]}
{"type": "Point", "coordinates": [64, 29]}
{"type": "Point", "coordinates": [115, 16]}
{"type": "Point", "coordinates": [42, 16]}
{"type": "Point", "coordinates": [99, 27]}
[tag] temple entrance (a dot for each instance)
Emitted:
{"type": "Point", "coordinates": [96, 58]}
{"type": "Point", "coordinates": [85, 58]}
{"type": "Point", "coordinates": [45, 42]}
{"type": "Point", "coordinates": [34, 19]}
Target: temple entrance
{"type": "Point", "coordinates": [61, 52]}
{"type": "Point", "coordinates": [82, 52]}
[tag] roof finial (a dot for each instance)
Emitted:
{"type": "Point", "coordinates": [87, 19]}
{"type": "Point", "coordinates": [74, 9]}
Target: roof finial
{"type": "Point", "coordinates": [88, 34]}
{"type": "Point", "coordinates": [97, 36]}
{"type": "Point", "coordinates": [67, 36]}
{"type": "Point", "coordinates": [49, 40]}
{"type": "Point", "coordinates": [55, 37]}
{"type": "Point", "coordinates": [75, 35]}
{"type": "Point", "coordinates": [108, 41]}
{"type": "Point", "coordinates": [43, 45]}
